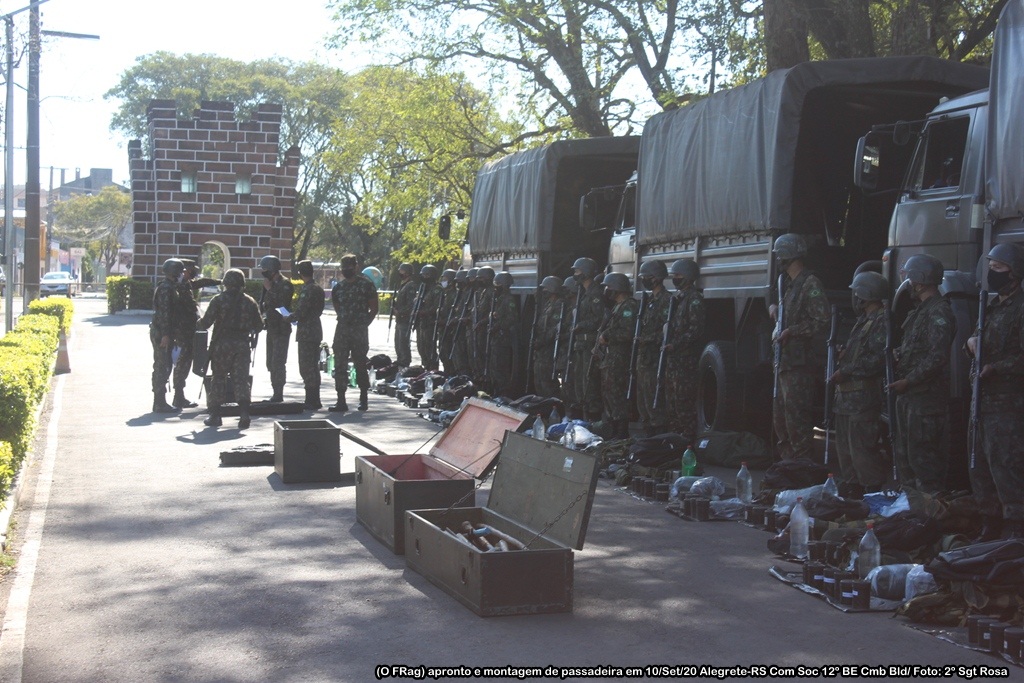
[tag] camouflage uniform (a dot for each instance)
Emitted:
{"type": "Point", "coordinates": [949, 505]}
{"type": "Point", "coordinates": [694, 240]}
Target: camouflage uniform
{"type": "Point", "coordinates": [234, 315]}
{"type": "Point", "coordinates": [858, 404]}
{"type": "Point", "coordinates": [426, 345]}
{"type": "Point", "coordinates": [403, 302]}
{"type": "Point", "coordinates": [278, 329]}
{"type": "Point", "coordinates": [552, 309]}
{"type": "Point", "coordinates": [687, 339]}
{"type": "Point", "coordinates": [459, 351]}
{"type": "Point", "coordinates": [586, 383]}
{"type": "Point", "coordinates": [652, 329]}
{"type": "Point", "coordinates": [186, 314]}
{"type": "Point", "coordinates": [484, 309]}
{"type": "Point", "coordinates": [446, 322]}
{"type": "Point", "coordinates": [504, 340]}
{"type": "Point", "coordinates": [165, 303]}
{"type": "Point", "coordinates": [351, 335]}
{"type": "Point", "coordinates": [806, 315]}
{"type": "Point", "coordinates": [998, 475]}
{"type": "Point", "coordinates": [922, 419]}
{"type": "Point", "coordinates": [309, 333]}
{"type": "Point", "coordinates": [469, 334]}
{"type": "Point", "coordinates": [618, 331]}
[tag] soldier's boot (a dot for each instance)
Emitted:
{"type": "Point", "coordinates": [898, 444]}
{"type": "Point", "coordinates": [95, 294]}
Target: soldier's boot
{"type": "Point", "coordinates": [341, 406]}
{"type": "Point", "coordinates": [1014, 528]}
{"type": "Point", "coordinates": [214, 419]}
{"type": "Point", "coordinates": [243, 416]}
{"type": "Point", "coordinates": [278, 396]}
{"type": "Point", "coordinates": [363, 400]}
{"type": "Point", "coordinates": [160, 403]}
{"type": "Point", "coordinates": [180, 401]}
{"type": "Point", "coordinates": [991, 529]}
{"type": "Point", "coordinates": [312, 399]}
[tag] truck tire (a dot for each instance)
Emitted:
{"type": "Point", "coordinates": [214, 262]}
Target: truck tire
{"type": "Point", "coordinates": [718, 389]}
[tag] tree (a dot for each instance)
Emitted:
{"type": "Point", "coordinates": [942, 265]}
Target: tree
{"type": "Point", "coordinates": [96, 221]}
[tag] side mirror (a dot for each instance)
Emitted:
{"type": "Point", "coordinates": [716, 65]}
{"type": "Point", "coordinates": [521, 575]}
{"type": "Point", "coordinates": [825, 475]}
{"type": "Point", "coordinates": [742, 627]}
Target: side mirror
{"type": "Point", "coordinates": [444, 227]}
{"type": "Point", "coordinates": [588, 217]}
{"type": "Point", "coordinates": [867, 163]}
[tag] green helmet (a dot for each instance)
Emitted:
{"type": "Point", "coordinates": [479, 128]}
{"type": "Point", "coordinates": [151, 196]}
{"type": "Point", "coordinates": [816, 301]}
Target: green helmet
{"type": "Point", "coordinates": [462, 275]}
{"type": "Point", "coordinates": [429, 272]}
{"type": "Point", "coordinates": [617, 282]}
{"type": "Point", "coordinates": [503, 279]}
{"type": "Point", "coordinates": [869, 286]}
{"type": "Point", "coordinates": [472, 274]}
{"type": "Point", "coordinates": [570, 284]}
{"type": "Point", "coordinates": [1010, 254]}
{"type": "Point", "coordinates": [304, 268]}
{"type": "Point", "coordinates": [923, 269]}
{"type": "Point", "coordinates": [485, 274]}
{"type": "Point", "coordinates": [173, 267]}
{"type": "Point", "coordinates": [270, 264]}
{"type": "Point", "coordinates": [790, 246]}
{"type": "Point", "coordinates": [655, 269]}
{"type": "Point", "coordinates": [234, 279]}
{"type": "Point", "coordinates": [448, 274]}
{"type": "Point", "coordinates": [685, 268]}
{"type": "Point", "coordinates": [406, 269]}
{"type": "Point", "coordinates": [587, 266]}
{"type": "Point", "coordinates": [551, 285]}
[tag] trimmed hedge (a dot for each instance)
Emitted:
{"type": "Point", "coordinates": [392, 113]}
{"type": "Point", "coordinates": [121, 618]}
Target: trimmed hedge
{"type": "Point", "coordinates": [126, 293]}
{"type": "Point", "coordinates": [7, 467]}
{"type": "Point", "coordinates": [140, 295]}
{"type": "Point", "coordinates": [61, 309]}
{"type": "Point", "coordinates": [117, 293]}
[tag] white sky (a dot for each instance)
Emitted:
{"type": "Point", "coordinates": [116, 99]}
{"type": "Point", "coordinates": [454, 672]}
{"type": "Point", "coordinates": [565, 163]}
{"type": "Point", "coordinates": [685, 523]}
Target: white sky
{"type": "Point", "coordinates": [74, 73]}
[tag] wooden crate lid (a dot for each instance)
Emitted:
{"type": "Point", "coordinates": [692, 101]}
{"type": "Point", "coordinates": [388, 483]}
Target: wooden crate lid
{"type": "Point", "coordinates": [473, 439]}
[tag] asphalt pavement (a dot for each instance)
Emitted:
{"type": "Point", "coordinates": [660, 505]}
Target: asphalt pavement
{"type": "Point", "coordinates": [142, 559]}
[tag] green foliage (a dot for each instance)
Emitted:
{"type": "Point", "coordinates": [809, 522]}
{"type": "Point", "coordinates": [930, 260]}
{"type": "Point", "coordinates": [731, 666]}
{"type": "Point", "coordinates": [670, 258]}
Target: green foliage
{"type": "Point", "coordinates": [41, 325]}
{"type": "Point", "coordinates": [26, 363]}
{"type": "Point", "coordinates": [117, 293]}
{"type": "Point", "coordinates": [140, 295]}
{"type": "Point", "coordinates": [254, 288]}
{"type": "Point", "coordinates": [7, 468]}
{"type": "Point", "coordinates": [95, 220]}
{"type": "Point", "coordinates": [61, 309]}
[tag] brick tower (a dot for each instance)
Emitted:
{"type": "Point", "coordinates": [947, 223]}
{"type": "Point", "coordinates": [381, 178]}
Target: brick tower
{"type": "Point", "coordinates": [212, 179]}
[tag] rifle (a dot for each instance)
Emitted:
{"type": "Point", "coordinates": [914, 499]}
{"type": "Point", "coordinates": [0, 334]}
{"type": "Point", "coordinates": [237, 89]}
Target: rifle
{"type": "Point", "coordinates": [417, 302]}
{"type": "Point", "coordinates": [572, 335]}
{"type": "Point", "coordinates": [780, 327]}
{"type": "Point", "coordinates": [660, 377]}
{"type": "Point", "coordinates": [533, 332]}
{"type": "Point", "coordinates": [475, 321]}
{"type": "Point", "coordinates": [391, 315]}
{"type": "Point", "coordinates": [830, 368]}
{"type": "Point", "coordinates": [458, 325]}
{"type": "Point", "coordinates": [636, 346]}
{"type": "Point", "coordinates": [487, 340]}
{"type": "Point", "coordinates": [437, 314]}
{"type": "Point", "coordinates": [558, 335]}
{"type": "Point", "coordinates": [890, 377]}
{"type": "Point", "coordinates": [976, 367]}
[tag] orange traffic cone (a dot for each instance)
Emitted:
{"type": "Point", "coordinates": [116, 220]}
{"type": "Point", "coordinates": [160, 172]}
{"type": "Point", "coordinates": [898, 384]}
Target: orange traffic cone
{"type": "Point", "coordinates": [63, 363]}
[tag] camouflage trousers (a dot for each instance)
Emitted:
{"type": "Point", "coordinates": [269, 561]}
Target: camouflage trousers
{"type": "Point", "coordinates": [860, 459]}
{"type": "Point", "coordinates": [277, 355]}
{"type": "Point", "coordinates": [350, 343]}
{"type": "Point", "coordinates": [460, 354]}
{"type": "Point", "coordinates": [615, 383]}
{"type": "Point", "coordinates": [793, 413]}
{"type": "Point", "coordinates": [922, 443]}
{"type": "Point", "coordinates": [426, 347]}
{"type": "Point", "coordinates": [445, 355]}
{"type": "Point", "coordinates": [681, 386]}
{"type": "Point", "coordinates": [403, 344]}
{"type": "Point", "coordinates": [500, 369]}
{"type": "Point", "coordinates": [309, 364]}
{"type": "Point", "coordinates": [586, 378]}
{"type": "Point", "coordinates": [998, 475]}
{"type": "Point", "coordinates": [229, 362]}
{"type": "Point", "coordinates": [161, 364]}
{"type": "Point", "coordinates": [543, 367]}
{"type": "Point", "coordinates": [184, 364]}
{"type": "Point", "coordinates": [646, 387]}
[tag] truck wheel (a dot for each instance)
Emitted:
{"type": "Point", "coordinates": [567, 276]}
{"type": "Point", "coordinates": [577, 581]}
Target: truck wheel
{"type": "Point", "coordinates": [718, 388]}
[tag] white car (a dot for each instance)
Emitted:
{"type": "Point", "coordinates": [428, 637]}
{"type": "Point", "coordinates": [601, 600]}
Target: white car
{"type": "Point", "coordinates": [57, 282]}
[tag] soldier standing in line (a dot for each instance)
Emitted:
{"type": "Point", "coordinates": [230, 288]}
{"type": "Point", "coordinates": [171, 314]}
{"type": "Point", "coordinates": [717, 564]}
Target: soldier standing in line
{"type": "Point", "coordinates": [922, 401]}
{"type": "Point", "coordinates": [445, 322]}
{"type": "Point", "coordinates": [553, 309]}
{"type": "Point", "coordinates": [277, 293]}
{"type": "Point", "coordinates": [468, 316]}
{"type": "Point", "coordinates": [426, 317]}
{"type": "Point", "coordinates": [504, 335]}
{"type": "Point", "coordinates": [565, 354]}
{"type": "Point", "coordinates": [586, 383]}
{"type": "Point", "coordinates": [652, 331]}
{"type": "Point", "coordinates": [858, 380]}
{"type": "Point", "coordinates": [161, 331]}
{"type": "Point", "coordinates": [235, 317]}
{"type": "Point", "coordinates": [309, 332]}
{"type": "Point", "coordinates": [484, 311]}
{"type": "Point", "coordinates": [997, 478]}
{"type": "Point", "coordinates": [614, 348]}
{"type": "Point", "coordinates": [403, 302]}
{"type": "Point", "coordinates": [355, 302]}
{"type": "Point", "coordinates": [459, 352]}
{"type": "Point", "coordinates": [686, 341]}
{"type": "Point", "coordinates": [806, 315]}
{"type": "Point", "coordinates": [186, 314]}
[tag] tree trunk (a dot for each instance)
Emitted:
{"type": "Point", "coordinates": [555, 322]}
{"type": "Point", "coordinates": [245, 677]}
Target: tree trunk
{"type": "Point", "coordinates": [785, 34]}
{"type": "Point", "coordinates": [909, 30]}
{"type": "Point", "coordinates": [843, 27]}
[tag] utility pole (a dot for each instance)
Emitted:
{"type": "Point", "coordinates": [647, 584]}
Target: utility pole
{"type": "Point", "coordinates": [9, 180]}
{"type": "Point", "coordinates": [33, 249]}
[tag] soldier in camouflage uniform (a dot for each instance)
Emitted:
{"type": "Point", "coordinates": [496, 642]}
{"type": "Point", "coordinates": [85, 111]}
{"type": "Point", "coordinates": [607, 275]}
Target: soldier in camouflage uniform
{"type": "Point", "coordinates": [652, 331]}
{"type": "Point", "coordinates": [504, 336]}
{"type": "Point", "coordinates": [570, 289]}
{"type": "Point", "coordinates": [459, 352]}
{"type": "Point", "coordinates": [922, 401]}
{"type": "Point", "coordinates": [485, 300]}
{"type": "Point", "coordinates": [426, 317]}
{"type": "Point", "coordinates": [583, 374]}
{"type": "Point", "coordinates": [858, 380]}
{"type": "Point", "coordinates": [355, 302]}
{"type": "Point", "coordinates": [806, 316]}
{"type": "Point", "coordinates": [235, 316]}
{"type": "Point", "coordinates": [277, 293]}
{"type": "Point", "coordinates": [686, 342]}
{"type": "Point", "coordinates": [469, 315]}
{"type": "Point", "coordinates": [309, 332]}
{"type": "Point", "coordinates": [186, 315]}
{"type": "Point", "coordinates": [614, 348]}
{"type": "Point", "coordinates": [997, 477]}
{"type": "Point", "coordinates": [445, 320]}
{"type": "Point", "coordinates": [405, 299]}
{"type": "Point", "coordinates": [161, 331]}
{"type": "Point", "coordinates": [551, 315]}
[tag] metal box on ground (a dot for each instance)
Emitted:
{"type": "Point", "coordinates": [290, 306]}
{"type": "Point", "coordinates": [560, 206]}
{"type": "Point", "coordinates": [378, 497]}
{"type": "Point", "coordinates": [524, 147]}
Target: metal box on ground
{"type": "Point", "coordinates": [307, 451]}
{"type": "Point", "coordinates": [388, 485]}
{"type": "Point", "coordinates": [541, 495]}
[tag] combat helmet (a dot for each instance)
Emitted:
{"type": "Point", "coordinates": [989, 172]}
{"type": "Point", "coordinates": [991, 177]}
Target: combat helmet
{"type": "Point", "coordinates": [923, 269]}
{"type": "Point", "coordinates": [1010, 254]}
{"type": "Point", "coordinates": [617, 282]}
{"type": "Point", "coordinates": [270, 264]}
{"type": "Point", "coordinates": [571, 286]}
{"type": "Point", "coordinates": [587, 266]}
{"type": "Point", "coordinates": [503, 279]}
{"type": "Point", "coordinates": [869, 286]}
{"type": "Point", "coordinates": [473, 274]}
{"type": "Point", "coordinates": [429, 272]}
{"type": "Point", "coordinates": [551, 285]}
{"type": "Point", "coordinates": [173, 267]}
{"type": "Point", "coordinates": [234, 279]}
{"type": "Point", "coordinates": [406, 269]}
{"type": "Point", "coordinates": [685, 268]}
{"type": "Point", "coordinates": [790, 246]}
{"type": "Point", "coordinates": [654, 269]}
{"type": "Point", "coordinates": [304, 268]}
{"type": "Point", "coordinates": [448, 274]}
{"type": "Point", "coordinates": [462, 275]}
{"type": "Point", "coordinates": [485, 274]}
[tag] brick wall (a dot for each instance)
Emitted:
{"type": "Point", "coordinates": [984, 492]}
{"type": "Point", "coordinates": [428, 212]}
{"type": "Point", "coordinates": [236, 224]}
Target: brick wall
{"type": "Point", "coordinates": [217, 149]}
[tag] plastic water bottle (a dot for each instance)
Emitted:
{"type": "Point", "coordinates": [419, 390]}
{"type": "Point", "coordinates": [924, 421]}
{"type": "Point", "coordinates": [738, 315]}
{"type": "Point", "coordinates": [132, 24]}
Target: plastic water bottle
{"type": "Point", "coordinates": [869, 554]}
{"type": "Point", "coordinates": [799, 530]}
{"type": "Point", "coordinates": [428, 388]}
{"type": "Point", "coordinates": [830, 488]}
{"type": "Point", "coordinates": [352, 375]}
{"type": "Point", "coordinates": [689, 462]}
{"type": "Point", "coordinates": [554, 417]}
{"type": "Point", "coordinates": [539, 430]}
{"type": "Point", "coordinates": [744, 484]}
{"type": "Point", "coordinates": [570, 437]}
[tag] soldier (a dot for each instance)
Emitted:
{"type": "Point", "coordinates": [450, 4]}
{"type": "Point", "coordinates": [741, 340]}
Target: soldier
{"type": "Point", "coordinates": [614, 348]}
{"type": "Point", "coordinates": [482, 314]}
{"type": "Point", "coordinates": [469, 316]}
{"type": "Point", "coordinates": [652, 330]}
{"type": "Point", "coordinates": [309, 332]}
{"type": "Point", "coordinates": [686, 341]}
{"type": "Point", "coordinates": [445, 315]}
{"type": "Point", "coordinates": [235, 318]}
{"type": "Point", "coordinates": [405, 299]}
{"type": "Point", "coordinates": [570, 288]}
{"type": "Point", "coordinates": [459, 353]}
{"type": "Point", "coordinates": [161, 331]}
{"type": "Point", "coordinates": [426, 317]}
{"type": "Point", "coordinates": [806, 315]}
{"type": "Point", "coordinates": [922, 400]}
{"type": "Point", "coordinates": [551, 316]}
{"type": "Point", "coordinates": [997, 477]}
{"type": "Point", "coordinates": [186, 315]}
{"type": "Point", "coordinates": [858, 381]}
{"type": "Point", "coordinates": [355, 302]}
{"type": "Point", "coordinates": [586, 383]}
{"type": "Point", "coordinates": [277, 293]}
{"type": "Point", "coordinates": [503, 335]}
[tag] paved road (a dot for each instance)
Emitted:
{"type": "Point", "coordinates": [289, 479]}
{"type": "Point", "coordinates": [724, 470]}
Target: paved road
{"type": "Point", "coordinates": [156, 564]}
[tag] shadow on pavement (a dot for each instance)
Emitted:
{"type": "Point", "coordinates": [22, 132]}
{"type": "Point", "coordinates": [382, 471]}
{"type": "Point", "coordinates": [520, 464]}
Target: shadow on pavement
{"type": "Point", "coordinates": [274, 479]}
{"type": "Point", "coordinates": [212, 435]}
{"type": "Point", "coordinates": [118, 320]}
{"type": "Point", "coordinates": [148, 419]}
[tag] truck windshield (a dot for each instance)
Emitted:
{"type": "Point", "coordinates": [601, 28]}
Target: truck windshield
{"type": "Point", "coordinates": [940, 155]}
{"type": "Point", "coordinates": [626, 220]}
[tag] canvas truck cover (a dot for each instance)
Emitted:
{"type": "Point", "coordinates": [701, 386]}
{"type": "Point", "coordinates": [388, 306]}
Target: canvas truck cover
{"type": "Point", "coordinates": [1004, 158]}
{"type": "Point", "coordinates": [514, 197]}
{"type": "Point", "coordinates": [726, 164]}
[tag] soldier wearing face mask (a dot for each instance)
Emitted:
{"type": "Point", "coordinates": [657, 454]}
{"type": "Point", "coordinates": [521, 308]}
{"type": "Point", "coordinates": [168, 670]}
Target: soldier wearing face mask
{"type": "Point", "coordinates": [652, 326]}
{"type": "Point", "coordinates": [922, 401]}
{"type": "Point", "coordinates": [583, 375]}
{"type": "Point", "coordinates": [445, 317]}
{"type": "Point", "coordinates": [277, 293]}
{"type": "Point", "coordinates": [355, 302]}
{"type": "Point", "coordinates": [613, 349]}
{"type": "Point", "coordinates": [998, 474]}
{"type": "Point", "coordinates": [685, 343]}
{"type": "Point", "coordinates": [161, 331]}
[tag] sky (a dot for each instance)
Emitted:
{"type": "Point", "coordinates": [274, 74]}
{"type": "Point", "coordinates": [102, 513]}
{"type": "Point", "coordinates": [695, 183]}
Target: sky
{"type": "Point", "coordinates": [75, 73]}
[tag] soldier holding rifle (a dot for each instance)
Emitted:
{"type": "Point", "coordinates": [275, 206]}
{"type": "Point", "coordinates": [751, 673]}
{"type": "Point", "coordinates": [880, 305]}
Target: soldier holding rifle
{"type": "Point", "coordinates": [685, 343]}
{"type": "Point", "coordinates": [355, 302]}
{"type": "Point", "coordinates": [401, 306]}
{"type": "Point", "coordinates": [587, 318]}
{"type": "Point", "coordinates": [551, 317]}
{"type": "Point", "coordinates": [502, 335]}
{"type": "Point", "coordinates": [614, 341]}
{"type": "Point", "coordinates": [652, 276]}
{"type": "Point", "coordinates": [426, 317]}
{"type": "Point", "coordinates": [468, 321]}
{"type": "Point", "coordinates": [309, 332]}
{"type": "Point", "coordinates": [997, 476]}
{"type": "Point", "coordinates": [445, 314]}
{"type": "Point", "coordinates": [482, 311]}
{"type": "Point", "coordinates": [458, 355]}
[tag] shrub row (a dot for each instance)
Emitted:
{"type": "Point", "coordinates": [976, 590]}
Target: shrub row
{"type": "Point", "coordinates": [126, 293]}
{"type": "Point", "coordinates": [61, 309]}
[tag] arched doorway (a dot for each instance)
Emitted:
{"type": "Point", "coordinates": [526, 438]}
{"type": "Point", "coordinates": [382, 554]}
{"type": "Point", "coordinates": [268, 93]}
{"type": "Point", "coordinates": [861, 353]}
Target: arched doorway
{"type": "Point", "coordinates": [214, 260]}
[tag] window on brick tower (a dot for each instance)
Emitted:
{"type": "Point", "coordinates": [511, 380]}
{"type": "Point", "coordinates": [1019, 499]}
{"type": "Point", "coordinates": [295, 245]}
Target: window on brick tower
{"type": "Point", "coordinates": [188, 181]}
{"type": "Point", "coordinates": [243, 184]}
